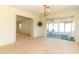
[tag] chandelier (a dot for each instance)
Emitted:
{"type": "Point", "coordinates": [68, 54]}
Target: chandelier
{"type": "Point", "coordinates": [45, 10]}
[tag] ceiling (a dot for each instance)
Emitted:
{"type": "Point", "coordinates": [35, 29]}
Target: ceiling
{"type": "Point", "coordinates": [37, 8]}
{"type": "Point", "coordinates": [20, 19]}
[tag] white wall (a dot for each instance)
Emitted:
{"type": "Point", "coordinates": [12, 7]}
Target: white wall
{"type": "Point", "coordinates": [8, 24]}
{"type": "Point", "coordinates": [77, 27]}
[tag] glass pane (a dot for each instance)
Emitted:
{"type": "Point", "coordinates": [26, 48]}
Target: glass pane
{"type": "Point", "coordinates": [55, 27]}
{"type": "Point", "coordinates": [47, 26]}
{"type": "Point", "coordinates": [61, 27]}
{"type": "Point", "coordinates": [68, 27]}
{"type": "Point", "coordinates": [50, 27]}
{"type": "Point", "coordinates": [72, 26]}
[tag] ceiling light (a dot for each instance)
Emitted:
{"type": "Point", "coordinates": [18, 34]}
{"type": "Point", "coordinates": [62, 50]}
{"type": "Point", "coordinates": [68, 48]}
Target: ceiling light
{"type": "Point", "coordinates": [45, 10]}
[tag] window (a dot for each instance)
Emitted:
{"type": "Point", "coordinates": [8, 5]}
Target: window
{"type": "Point", "coordinates": [73, 26]}
{"type": "Point", "coordinates": [61, 27]}
{"type": "Point", "coordinates": [55, 27]}
{"type": "Point", "coordinates": [68, 27]}
{"type": "Point", "coordinates": [62, 30]}
{"type": "Point", "coordinates": [50, 27]}
{"type": "Point", "coordinates": [47, 26]}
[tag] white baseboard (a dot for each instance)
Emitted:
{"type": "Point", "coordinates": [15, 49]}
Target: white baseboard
{"type": "Point", "coordinates": [7, 43]}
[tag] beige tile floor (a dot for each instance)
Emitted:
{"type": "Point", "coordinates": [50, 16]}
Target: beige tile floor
{"type": "Point", "coordinates": [28, 45]}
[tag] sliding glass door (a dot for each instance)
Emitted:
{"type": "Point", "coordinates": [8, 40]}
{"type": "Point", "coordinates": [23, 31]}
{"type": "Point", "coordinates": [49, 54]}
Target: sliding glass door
{"type": "Point", "coordinates": [61, 30]}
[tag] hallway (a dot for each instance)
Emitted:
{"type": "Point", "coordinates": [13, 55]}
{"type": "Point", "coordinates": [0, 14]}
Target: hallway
{"type": "Point", "coordinates": [25, 44]}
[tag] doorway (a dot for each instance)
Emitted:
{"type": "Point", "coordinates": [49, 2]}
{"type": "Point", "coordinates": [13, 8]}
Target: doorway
{"type": "Point", "coordinates": [24, 25]}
